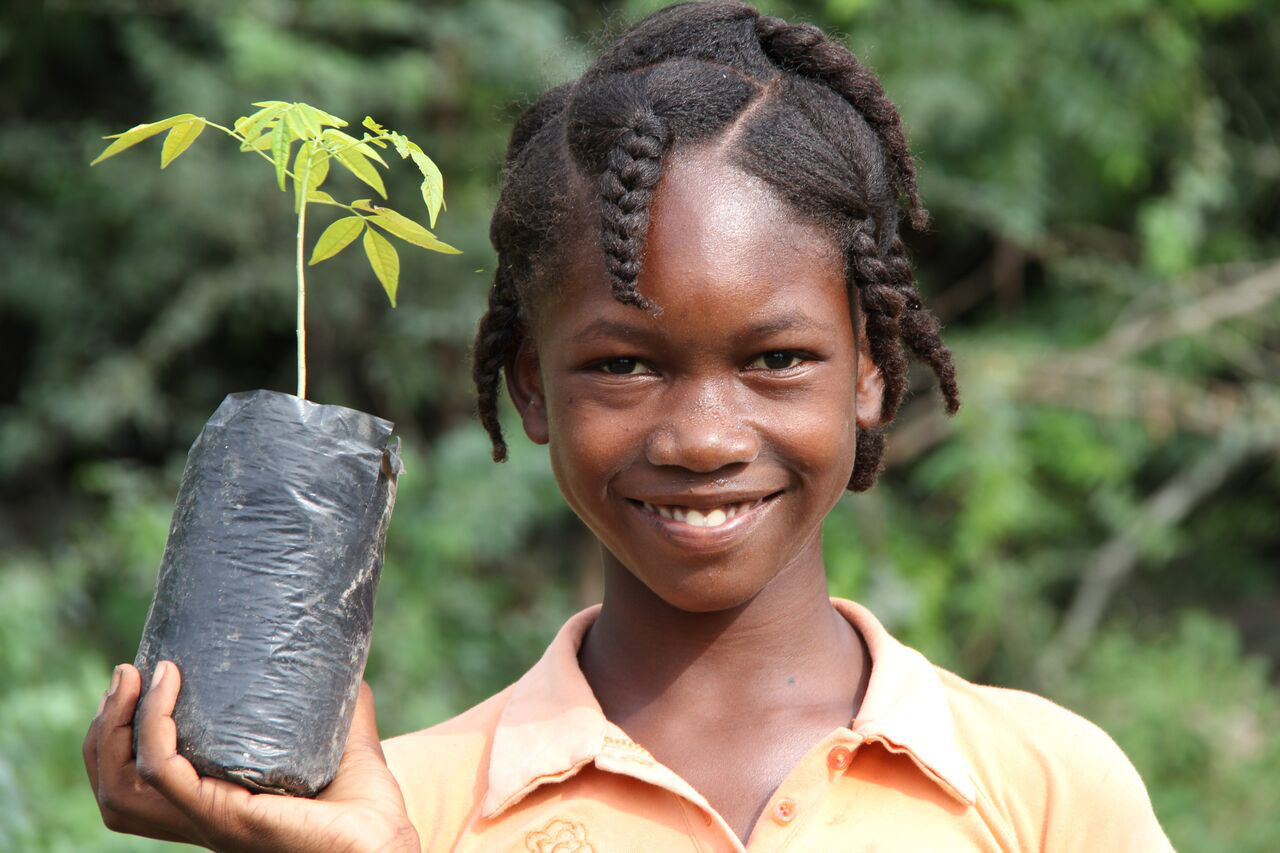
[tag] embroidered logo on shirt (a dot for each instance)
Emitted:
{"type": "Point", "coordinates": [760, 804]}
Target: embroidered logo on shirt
{"type": "Point", "coordinates": [559, 836]}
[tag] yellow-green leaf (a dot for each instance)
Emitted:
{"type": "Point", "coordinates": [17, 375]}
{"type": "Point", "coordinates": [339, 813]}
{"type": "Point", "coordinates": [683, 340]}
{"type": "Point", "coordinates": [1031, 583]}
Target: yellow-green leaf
{"type": "Point", "coordinates": [280, 143]}
{"type": "Point", "coordinates": [374, 126]}
{"type": "Point", "coordinates": [341, 140]}
{"type": "Point", "coordinates": [362, 169]}
{"type": "Point", "coordinates": [315, 163]}
{"type": "Point", "coordinates": [263, 142]}
{"type": "Point", "coordinates": [138, 133]}
{"type": "Point", "coordinates": [251, 126]}
{"type": "Point", "coordinates": [363, 204]}
{"type": "Point", "coordinates": [336, 237]}
{"type": "Point", "coordinates": [321, 197]}
{"type": "Point", "coordinates": [179, 139]}
{"type": "Point", "coordinates": [270, 104]}
{"type": "Point", "coordinates": [432, 184]}
{"type": "Point", "coordinates": [409, 231]}
{"type": "Point", "coordinates": [318, 117]}
{"type": "Point", "coordinates": [303, 123]}
{"type": "Point", "coordinates": [384, 260]}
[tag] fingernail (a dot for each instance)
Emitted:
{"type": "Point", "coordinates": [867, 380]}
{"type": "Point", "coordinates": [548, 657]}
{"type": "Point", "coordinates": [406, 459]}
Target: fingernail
{"type": "Point", "coordinates": [157, 677]}
{"type": "Point", "coordinates": [115, 681]}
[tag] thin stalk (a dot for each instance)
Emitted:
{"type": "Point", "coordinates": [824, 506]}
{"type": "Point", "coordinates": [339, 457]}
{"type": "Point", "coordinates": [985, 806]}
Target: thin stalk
{"type": "Point", "coordinates": [302, 283]}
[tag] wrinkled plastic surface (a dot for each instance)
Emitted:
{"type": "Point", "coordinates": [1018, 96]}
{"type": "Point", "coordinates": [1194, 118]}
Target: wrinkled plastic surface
{"type": "Point", "coordinates": [265, 593]}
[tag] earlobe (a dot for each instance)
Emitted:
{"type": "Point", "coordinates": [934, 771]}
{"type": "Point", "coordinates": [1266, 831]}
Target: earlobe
{"type": "Point", "coordinates": [524, 384]}
{"type": "Point", "coordinates": [868, 391]}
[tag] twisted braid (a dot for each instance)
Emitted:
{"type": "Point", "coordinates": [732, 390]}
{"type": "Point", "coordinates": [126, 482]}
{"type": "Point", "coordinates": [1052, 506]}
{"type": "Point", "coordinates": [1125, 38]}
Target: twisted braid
{"type": "Point", "coordinates": [497, 340]}
{"type": "Point", "coordinates": [502, 329]}
{"type": "Point", "coordinates": [807, 50]}
{"type": "Point", "coordinates": [895, 320]}
{"type": "Point", "coordinates": [626, 188]}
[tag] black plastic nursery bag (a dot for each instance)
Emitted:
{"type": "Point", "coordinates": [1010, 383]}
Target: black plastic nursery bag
{"type": "Point", "coordinates": [265, 593]}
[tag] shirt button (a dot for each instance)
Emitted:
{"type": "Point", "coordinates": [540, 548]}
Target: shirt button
{"type": "Point", "coordinates": [784, 810]}
{"type": "Point", "coordinates": [839, 758]}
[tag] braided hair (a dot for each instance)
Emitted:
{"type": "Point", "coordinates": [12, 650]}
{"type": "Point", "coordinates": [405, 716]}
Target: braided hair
{"type": "Point", "coordinates": [785, 103]}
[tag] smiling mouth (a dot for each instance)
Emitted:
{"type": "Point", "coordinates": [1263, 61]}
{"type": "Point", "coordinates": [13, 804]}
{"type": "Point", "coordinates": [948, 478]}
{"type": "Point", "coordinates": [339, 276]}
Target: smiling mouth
{"type": "Point", "coordinates": [707, 518]}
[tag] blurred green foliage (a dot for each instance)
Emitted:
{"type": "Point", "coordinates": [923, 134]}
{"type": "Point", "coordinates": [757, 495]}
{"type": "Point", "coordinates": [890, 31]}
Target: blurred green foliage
{"type": "Point", "coordinates": [1099, 523]}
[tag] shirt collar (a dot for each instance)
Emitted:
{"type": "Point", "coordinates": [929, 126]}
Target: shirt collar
{"type": "Point", "coordinates": [552, 725]}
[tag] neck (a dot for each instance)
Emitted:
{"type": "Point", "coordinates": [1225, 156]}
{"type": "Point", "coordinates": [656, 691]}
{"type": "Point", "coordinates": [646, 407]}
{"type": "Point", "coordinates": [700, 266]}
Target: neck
{"type": "Point", "coordinates": [786, 647]}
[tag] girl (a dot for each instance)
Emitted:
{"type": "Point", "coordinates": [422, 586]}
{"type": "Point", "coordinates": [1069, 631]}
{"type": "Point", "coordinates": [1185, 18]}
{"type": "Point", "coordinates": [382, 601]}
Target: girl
{"type": "Point", "coordinates": [703, 307]}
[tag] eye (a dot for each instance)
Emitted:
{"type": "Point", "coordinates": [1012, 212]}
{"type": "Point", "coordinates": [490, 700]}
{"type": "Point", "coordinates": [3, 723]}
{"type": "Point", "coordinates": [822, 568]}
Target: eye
{"type": "Point", "coordinates": [623, 366]}
{"type": "Point", "coordinates": [777, 360]}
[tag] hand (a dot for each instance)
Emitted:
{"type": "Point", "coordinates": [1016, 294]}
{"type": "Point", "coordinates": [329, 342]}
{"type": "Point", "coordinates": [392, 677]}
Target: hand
{"type": "Point", "coordinates": [161, 795]}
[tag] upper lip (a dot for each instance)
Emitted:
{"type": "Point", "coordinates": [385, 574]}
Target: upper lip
{"type": "Point", "coordinates": [703, 500]}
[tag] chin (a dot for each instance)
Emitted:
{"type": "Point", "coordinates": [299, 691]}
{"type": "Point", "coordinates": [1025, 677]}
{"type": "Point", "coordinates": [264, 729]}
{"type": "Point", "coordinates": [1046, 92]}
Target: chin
{"type": "Point", "coordinates": [705, 594]}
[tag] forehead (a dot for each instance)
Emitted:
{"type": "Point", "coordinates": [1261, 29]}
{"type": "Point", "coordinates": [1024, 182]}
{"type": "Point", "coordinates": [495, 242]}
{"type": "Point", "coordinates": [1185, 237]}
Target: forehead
{"type": "Point", "coordinates": [722, 246]}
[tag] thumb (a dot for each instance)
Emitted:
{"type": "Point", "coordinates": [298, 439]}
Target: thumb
{"type": "Point", "coordinates": [364, 725]}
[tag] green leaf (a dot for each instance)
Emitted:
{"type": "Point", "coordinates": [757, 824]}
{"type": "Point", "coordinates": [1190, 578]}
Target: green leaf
{"type": "Point", "coordinates": [362, 169]}
{"type": "Point", "coordinates": [432, 184]}
{"type": "Point", "coordinates": [316, 165]}
{"type": "Point", "coordinates": [401, 142]}
{"type": "Point", "coordinates": [251, 126]}
{"type": "Point", "coordinates": [321, 197]}
{"type": "Point", "coordinates": [280, 152]}
{"type": "Point", "coordinates": [263, 142]}
{"type": "Point", "coordinates": [138, 133]}
{"type": "Point", "coordinates": [342, 140]}
{"type": "Point", "coordinates": [409, 231]}
{"type": "Point", "coordinates": [179, 139]}
{"type": "Point", "coordinates": [336, 237]}
{"type": "Point", "coordinates": [363, 204]}
{"type": "Point", "coordinates": [302, 123]}
{"type": "Point", "coordinates": [318, 117]}
{"type": "Point", "coordinates": [384, 260]}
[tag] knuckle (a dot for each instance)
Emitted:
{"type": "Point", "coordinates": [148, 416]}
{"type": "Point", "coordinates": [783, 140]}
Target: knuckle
{"type": "Point", "coordinates": [113, 820]}
{"type": "Point", "coordinates": [111, 806]}
{"type": "Point", "coordinates": [148, 771]}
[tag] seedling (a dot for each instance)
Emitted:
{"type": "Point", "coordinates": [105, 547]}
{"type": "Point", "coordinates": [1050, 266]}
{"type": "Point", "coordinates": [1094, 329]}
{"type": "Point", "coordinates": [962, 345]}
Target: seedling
{"type": "Point", "coordinates": [271, 132]}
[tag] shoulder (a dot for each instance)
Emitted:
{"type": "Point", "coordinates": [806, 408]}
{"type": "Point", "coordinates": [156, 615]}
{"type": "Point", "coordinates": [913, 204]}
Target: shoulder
{"type": "Point", "coordinates": [1058, 780]}
{"type": "Point", "coordinates": [442, 770]}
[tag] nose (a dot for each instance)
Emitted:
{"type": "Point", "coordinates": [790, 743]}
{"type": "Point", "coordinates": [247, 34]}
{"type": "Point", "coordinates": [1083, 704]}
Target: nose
{"type": "Point", "coordinates": [704, 430]}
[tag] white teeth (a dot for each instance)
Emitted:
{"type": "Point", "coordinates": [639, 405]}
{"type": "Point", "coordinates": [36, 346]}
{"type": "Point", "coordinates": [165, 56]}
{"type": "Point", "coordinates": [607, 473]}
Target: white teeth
{"type": "Point", "coordinates": [698, 518]}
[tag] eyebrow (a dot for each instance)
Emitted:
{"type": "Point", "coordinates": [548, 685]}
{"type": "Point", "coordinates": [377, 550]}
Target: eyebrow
{"type": "Point", "coordinates": [795, 321]}
{"type": "Point", "coordinates": [604, 328]}
{"type": "Point", "coordinates": [791, 322]}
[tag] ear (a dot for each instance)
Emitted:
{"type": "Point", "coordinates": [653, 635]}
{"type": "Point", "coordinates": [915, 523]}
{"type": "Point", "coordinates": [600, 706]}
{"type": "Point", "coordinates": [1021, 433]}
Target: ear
{"type": "Point", "coordinates": [524, 384]}
{"type": "Point", "coordinates": [868, 389]}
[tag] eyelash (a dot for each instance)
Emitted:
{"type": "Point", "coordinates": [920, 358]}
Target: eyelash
{"type": "Point", "coordinates": [797, 355]}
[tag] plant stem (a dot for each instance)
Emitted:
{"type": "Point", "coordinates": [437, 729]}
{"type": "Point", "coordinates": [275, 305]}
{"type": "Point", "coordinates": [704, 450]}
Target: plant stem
{"type": "Point", "coordinates": [302, 283]}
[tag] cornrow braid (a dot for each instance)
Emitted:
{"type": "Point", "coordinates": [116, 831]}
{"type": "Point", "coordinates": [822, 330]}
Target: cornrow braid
{"type": "Point", "coordinates": [786, 104]}
{"type": "Point", "coordinates": [807, 50]}
{"type": "Point", "coordinates": [626, 188]}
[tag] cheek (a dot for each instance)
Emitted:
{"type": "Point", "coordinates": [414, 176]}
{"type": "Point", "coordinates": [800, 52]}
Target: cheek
{"type": "Point", "coordinates": [819, 434]}
{"type": "Point", "coordinates": [588, 445]}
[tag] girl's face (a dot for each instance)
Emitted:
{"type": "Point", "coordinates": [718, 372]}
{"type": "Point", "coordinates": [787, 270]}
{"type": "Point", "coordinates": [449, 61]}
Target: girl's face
{"type": "Point", "coordinates": [704, 446]}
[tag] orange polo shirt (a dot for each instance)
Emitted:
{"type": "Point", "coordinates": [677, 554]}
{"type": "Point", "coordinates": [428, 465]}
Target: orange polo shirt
{"type": "Point", "coordinates": [930, 763]}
